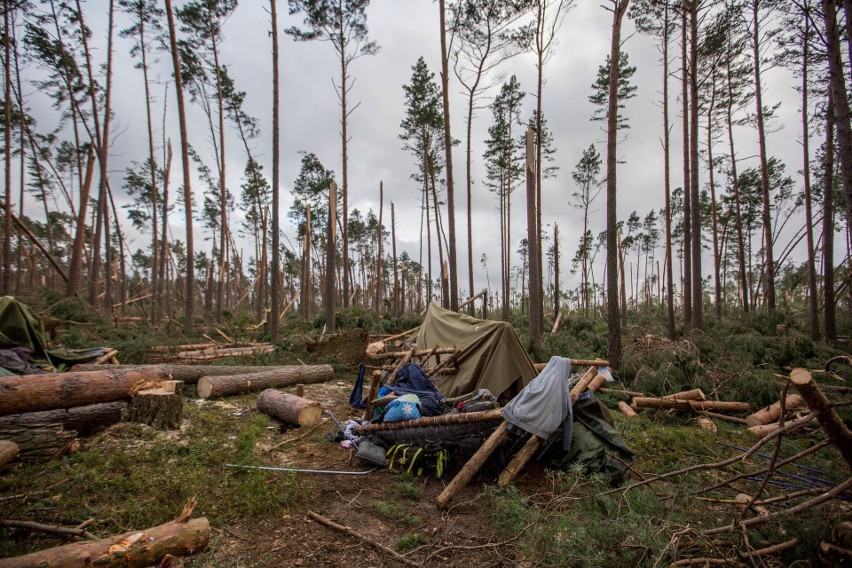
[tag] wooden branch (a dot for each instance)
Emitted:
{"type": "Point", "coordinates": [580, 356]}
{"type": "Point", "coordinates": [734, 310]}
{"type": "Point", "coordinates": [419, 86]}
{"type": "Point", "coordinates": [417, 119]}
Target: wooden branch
{"type": "Point", "coordinates": [577, 363]}
{"type": "Point", "coordinates": [442, 420]}
{"type": "Point", "coordinates": [444, 366]}
{"type": "Point", "coordinates": [694, 394]}
{"type": "Point", "coordinates": [400, 335]}
{"type": "Point", "coordinates": [48, 529]}
{"type": "Point", "coordinates": [583, 384]}
{"type": "Point", "coordinates": [725, 417]}
{"type": "Point", "coordinates": [472, 466]}
{"type": "Point", "coordinates": [831, 423]}
{"type": "Point", "coordinates": [346, 530]}
{"type": "Point", "coordinates": [405, 361]}
{"type": "Point", "coordinates": [375, 383]}
{"type": "Point", "coordinates": [620, 391]}
{"type": "Point", "coordinates": [413, 353]}
{"type": "Point", "coordinates": [471, 300]}
{"type": "Point", "coordinates": [742, 556]}
{"type": "Point", "coordinates": [647, 402]}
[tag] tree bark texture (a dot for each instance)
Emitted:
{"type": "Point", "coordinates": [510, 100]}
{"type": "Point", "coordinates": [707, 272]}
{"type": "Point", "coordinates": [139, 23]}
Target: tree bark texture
{"type": "Point", "coordinates": [40, 442]}
{"type": "Point", "coordinates": [289, 408]}
{"type": "Point", "coordinates": [133, 549]}
{"type": "Point", "coordinates": [830, 421]}
{"type": "Point", "coordinates": [84, 419]}
{"type": "Point", "coordinates": [32, 393]}
{"type": "Point", "coordinates": [8, 451]}
{"type": "Point", "coordinates": [161, 408]}
{"type": "Point", "coordinates": [223, 385]}
{"type": "Point", "coordinates": [448, 152]}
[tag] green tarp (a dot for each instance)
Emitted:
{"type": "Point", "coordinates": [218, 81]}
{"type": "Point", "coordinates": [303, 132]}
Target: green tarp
{"type": "Point", "coordinates": [19, 327]}
{"type": "Point", "coordinates": [492, 355]}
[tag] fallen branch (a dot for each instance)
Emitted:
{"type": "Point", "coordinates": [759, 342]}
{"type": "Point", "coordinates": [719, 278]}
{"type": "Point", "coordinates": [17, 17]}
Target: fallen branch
{"type": "Point", "coordinates": [48, 529]}
{"type": "Point", "coordinates": [774, 549]}
{"type": "Point", "coordinates": [346, 530]}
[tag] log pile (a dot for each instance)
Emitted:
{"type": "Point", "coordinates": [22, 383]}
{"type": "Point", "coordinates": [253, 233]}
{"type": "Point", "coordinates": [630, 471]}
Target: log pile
{"type": "Point", "coordinates": [279, 377]}
{"type": "Point", "coordinates": [209, 352]}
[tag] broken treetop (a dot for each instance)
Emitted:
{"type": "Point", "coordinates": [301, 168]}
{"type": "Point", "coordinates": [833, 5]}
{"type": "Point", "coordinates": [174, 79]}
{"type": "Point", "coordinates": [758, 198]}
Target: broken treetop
{"type": "Point", "coordinates": [492, 356]}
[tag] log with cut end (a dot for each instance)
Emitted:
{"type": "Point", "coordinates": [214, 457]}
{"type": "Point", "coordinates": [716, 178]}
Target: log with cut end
{"type": "Point", "coordinates": [625, 409]}
{"type": "Point", "coordinates": [677, 404]}
{"type": "Point", "coordinates": [828, 419]}
{"type": "Point", "coordinates": [83, 419]}
{"type": "Point", "coordinates": [8, 451]}
{"type": "Point", "coordinates": [129, 550]}
{"type": "Point", "coordinates": [189, 374]}
{"type": "Point", "coordinates": [161, 408]}
{"type": "Point", "coordinates": [212, 386]}
{"type": "Point", "coordinates": [40, 442]}
{"type": "Point", "coordinates": [773, 411]}
{"type": "Point", "coordinates": [519, 460]}
{"type": "Point", "coordinates": [694, 394]}
{"type": "Point", "coordinates": [32, 393]}
{"type": "Point", "coordinates": [289, 408]}
{"type": "Point", "coordinates": [705, 424]}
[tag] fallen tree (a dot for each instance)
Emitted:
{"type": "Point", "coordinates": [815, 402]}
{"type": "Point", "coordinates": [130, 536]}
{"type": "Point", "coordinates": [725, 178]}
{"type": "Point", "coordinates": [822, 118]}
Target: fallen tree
{"type": "Point", "coordinates": [279, 377]}
{"type": "Point", "coordinates": [31, 393]}
{"type": "Point", "coordinates": [129, 550]}
{"type": "Point", "coordinates": [289, 408]}
{"type": "Point", "coordinates": [83, 419]}
{"type": "Point", "coordinates": [189, 374]}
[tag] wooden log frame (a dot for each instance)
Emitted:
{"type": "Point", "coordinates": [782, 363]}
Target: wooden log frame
{"type": "Point", "coordinates": [32, 393]}
{"type": "Point", "coordinates": [442, 420]}
{"type": "Point", "coordinates": [133, 549]}
{"type": "Point", "coordinates": [828, 419]}
{"type": "Point", "coordinates": [414, 353]}
{"type": "Point", "coordinates": [472, 466]}
{"type": "Point", "coordinates": [577, 363]}
{"type": "Point", "coordinates": [444, 366]}
{"type": "Point", "coordinates": [224, 385]}
{"type": "Point", "coordinates": [84, 419]}
{"type": "Point", "coordinates": [289, 408]}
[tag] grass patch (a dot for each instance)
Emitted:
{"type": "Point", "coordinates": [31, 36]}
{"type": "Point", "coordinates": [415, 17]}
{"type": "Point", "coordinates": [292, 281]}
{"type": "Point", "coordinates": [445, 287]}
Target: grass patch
{"type": "Point", "coordinates": [410, 541]}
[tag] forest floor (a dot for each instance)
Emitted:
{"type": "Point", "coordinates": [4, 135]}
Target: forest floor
{"type": "Point", "coordinates": [130, 476]}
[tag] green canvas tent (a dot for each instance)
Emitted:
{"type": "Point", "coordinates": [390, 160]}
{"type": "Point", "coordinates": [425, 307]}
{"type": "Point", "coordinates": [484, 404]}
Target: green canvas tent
{"type": "Point", "coordinates": [492, 356]}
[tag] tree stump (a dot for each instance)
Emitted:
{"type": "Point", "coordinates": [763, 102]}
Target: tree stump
{"type": "Point", "coordinates": [161, 408]}
{"type": "Point", "coordinates": [289, 408]}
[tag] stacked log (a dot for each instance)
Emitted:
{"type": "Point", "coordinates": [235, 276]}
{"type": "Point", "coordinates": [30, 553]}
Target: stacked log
{"type": "Point", "coordinates": [84, 419]}
{"type": "Point", "coordinates": [32, 393]}
{"type": "Point", "coordinates": [279, 377]}
{"type": "Point", "coordinates": [189, 374]}
{"type": "Point", "coordinates": [8, 451]}
{"type": "Point", "coordinates": [289, 408]}
{"type": "Point", "coordinates": [40, 442]}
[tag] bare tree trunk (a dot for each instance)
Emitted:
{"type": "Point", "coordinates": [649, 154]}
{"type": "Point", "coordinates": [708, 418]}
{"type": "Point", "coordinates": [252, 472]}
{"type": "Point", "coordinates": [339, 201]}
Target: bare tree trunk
{"type": "Point", "coordinates": [717, 282]}
{"type": "Point", "coordinates": [697, 281]}
{"type": "Point", "coordinates": [187, 187]}
{"type": "Point", "coordinates": [555, 270]}
{"type": "Point", "coordinates": [396, 310]}
{"type": "Point", "coordinates": [304, 285]}
{"type": "Point", "coordinates": [344, 120]}
{"type": "Point", "coordinates": [7, 128]}
{"type": "Point", "coordinates": [687, 192]}
{"type": "Point", "coordinates": [331, 250]}
{"type": "Point", "coordinates": [613, 320]}
{"type": "Point", "coordinates": [667, 172]}
{"type": "Point", "coordinates": [275, 292]}
{"type": "Point", "coordinates": [535, 315]}
{"type": "Point", "coordinates": [813, 300]}
{"type": "Point", "coordinates": [830, 315]}
{"type": "Point", "coordinates": [381, 238]}
{"type": "Point", "coordinates": [448, 151]}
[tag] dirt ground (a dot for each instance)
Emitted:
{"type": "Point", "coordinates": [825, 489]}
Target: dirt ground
{"type": "Point", "coordinates": [458, 537]}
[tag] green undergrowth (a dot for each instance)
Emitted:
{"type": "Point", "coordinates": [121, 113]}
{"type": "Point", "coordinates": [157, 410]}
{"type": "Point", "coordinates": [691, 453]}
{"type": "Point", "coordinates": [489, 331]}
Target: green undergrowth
{"type": "Point", "coordinates": [131, 477]}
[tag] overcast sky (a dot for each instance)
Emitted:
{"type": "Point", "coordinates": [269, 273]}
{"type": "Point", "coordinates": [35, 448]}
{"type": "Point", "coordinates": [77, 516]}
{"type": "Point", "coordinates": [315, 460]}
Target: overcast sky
{"type": "Point", "coordinates": [406, 30]}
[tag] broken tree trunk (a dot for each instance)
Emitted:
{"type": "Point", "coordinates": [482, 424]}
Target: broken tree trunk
{"type": "Point", "coordinates": [8, 451]}
{"type": "Point", "coordinates": [41, 442]}
{"type": "Point", "coordinates": [83, 419]}
{"type": "Point", "coordinates": [831, 423]}
{"type": "Point", "coordinates": [129, 550]}
{"type": "Point", "coordinates": [375, 383]}
{"type": "Point", "coordinates": [773, 411]}
{"type": "Point", "coordinates": [472, 466]}
{"type": "Point", "coordinates": [676, 404]}
{"type": "Point", "coordinates": [289, 408]}
{"type": "Point", "coordinates": [161, 408]}
{"type": "Point", "coordinates": [31, 393]}
{"type": "Point", "coordinates": [209, 387]}
{"type": "Point", "coordinates": [189, 374]}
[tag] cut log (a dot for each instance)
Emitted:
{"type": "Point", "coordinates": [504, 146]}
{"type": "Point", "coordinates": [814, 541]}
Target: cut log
{"type": "Point", "coordinates": [289, 408]}
{"type": "Point", "coordinates": [212, 386]}
{"type": "Point", "coordinates": [773, 411]}
{"type": "Point", "coordinates": [625, 409]}
{"type": "Point", "coordinates": [41, 442]}
{"type": "Point", "coordinates": [694, 394]}
{"type": "Point", "coordinates": [375, 382]}
{"type": "Point", "coordinates": [84, 419]}
{"type": "Point", "coordinates": [129, 550]}
{"type": "Point", "coordinates": [190, 374]}
{"type": "Point", "coordinates": [705, 424]}
{"type": "Point", "coordinates": [519, 460]}
{"type": "Point", "coordinates": [472, 466]}
{"type": "Point", "coordinates": [647, 402]}
{"type": "Point", "coordinates": [160, 408]}
{"type": "Point", "coordinates": [32, 393]}
{"type": "Point", "coordinates": [828, 419]}
{"type": "Point", "coordinates": [221, 353]}
{"type": "Point", "coordinates": [8, 451]}
{"type": "Point", "coordinates": [583, 384]}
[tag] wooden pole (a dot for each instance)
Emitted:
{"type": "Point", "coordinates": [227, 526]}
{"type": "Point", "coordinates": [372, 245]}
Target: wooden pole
{"type": "Point", "coordinates": [519, 460]}
{"type": "Point", "coordinates": [773, 411]}
{"type": "Point", "coordinates": [330, 294]}
{"type": "Point", "coordinates": [646, 402]}
{"type": "Point", "coordinates": [442, 420]}
{"type": "Point", "coordinates": [472, 466]}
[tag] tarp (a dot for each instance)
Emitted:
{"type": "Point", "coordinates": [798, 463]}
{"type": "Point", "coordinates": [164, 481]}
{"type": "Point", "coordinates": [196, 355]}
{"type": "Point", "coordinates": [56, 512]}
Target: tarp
{"type": "Point", "coordinates": [492, 355]}
{"type": "Point", "coordinates": [20, 327]}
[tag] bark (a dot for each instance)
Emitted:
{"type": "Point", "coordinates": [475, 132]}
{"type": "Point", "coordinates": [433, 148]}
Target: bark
{"type": "Point", "coordinates": [275, 283]}
{"type": "Point", "coordinates": [613, 320]}
{"type": "Point", "coordinates": [32, 393]}
{"type": "Point", "coordinates": [697, 281]}
{"type": "Point", "coordinates": [280, 377]}
{"type": "Point", "coordinates": [813, 300]}
{"type": "Point", "coordinates": [379, 269]}
{"type": "Point", "coordinates": [6, 282]}
{"type": "Point", "coordinates": [84, 419]}
{"type": "Point", "coordinates": [39, 442]}
{"type": "Point", "coordinates": [535, 315]}
{"type": "Point", "coordinates": [187, 187]}
{"type": "Point", "coordinates": [396, 303]}
{"type": "Point", "coordinates": [160, 408]}
{"type": "Point", "coordinates": [519, 460]}
{"type": "Point", "coordinates": [330, 294]}
{"type": "Point", "coordinates": [8, 452]}
{"type": "Point", "coordinates": [830, 421]}
{"type": "Point", "coordinates": [289, 408]}
{"type": "Point", "coordinates": [626, 410]}
{"type": "Point", "coordinates": [448, 152]}
{"type": "Point", "coordinates": [442, 420]}
{"type": "Point", "coordinates": [75, 268]}
{"type": "Point", "coordinates": [133, 549]}
{"type": "Point", "coordinates": [687, 192]}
